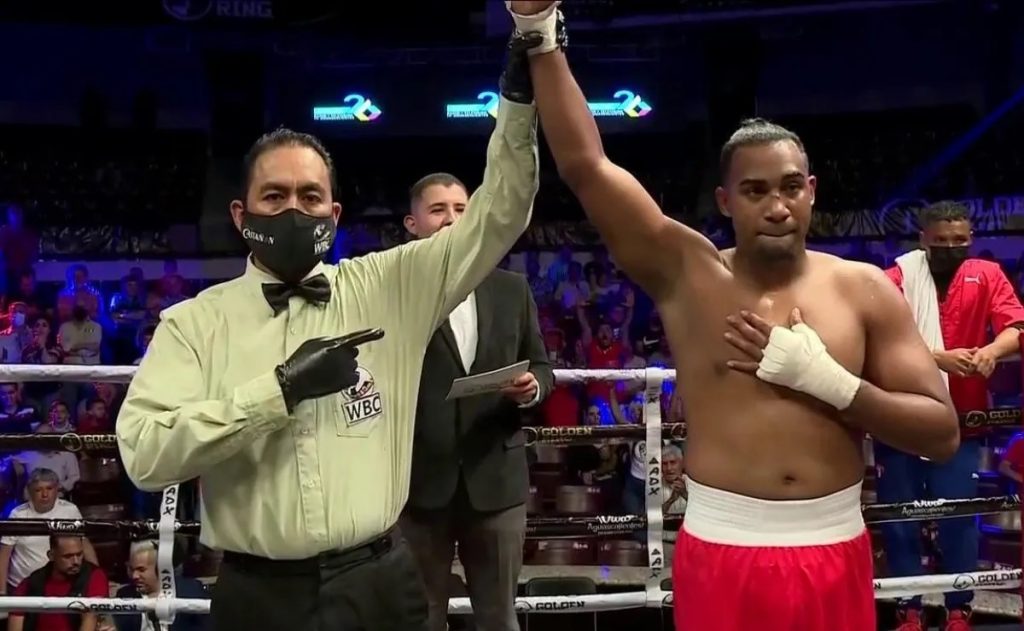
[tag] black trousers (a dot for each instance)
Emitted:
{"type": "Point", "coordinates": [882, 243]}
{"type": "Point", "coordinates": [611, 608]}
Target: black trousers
{"type": "Point", "coordinates": [375, 587]}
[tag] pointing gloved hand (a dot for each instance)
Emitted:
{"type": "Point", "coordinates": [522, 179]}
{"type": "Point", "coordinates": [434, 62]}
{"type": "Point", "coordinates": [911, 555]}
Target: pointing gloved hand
{"type": "Point", "coordinates": [322, 366]}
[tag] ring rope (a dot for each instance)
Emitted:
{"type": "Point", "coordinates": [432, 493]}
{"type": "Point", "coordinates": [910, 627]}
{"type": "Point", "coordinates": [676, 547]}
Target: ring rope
{"type": "Point", "coordinates": [167, 605]}
{"type": "Point", "coordinates": [537, 527]}
{"type": "Point", "coordinates": [884, 588]}
{"type": "Point", "coordinates": [568, 435]}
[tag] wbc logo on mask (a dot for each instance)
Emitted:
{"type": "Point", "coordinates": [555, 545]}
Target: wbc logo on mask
{"type": "Point", "coordinates": [322, 239]}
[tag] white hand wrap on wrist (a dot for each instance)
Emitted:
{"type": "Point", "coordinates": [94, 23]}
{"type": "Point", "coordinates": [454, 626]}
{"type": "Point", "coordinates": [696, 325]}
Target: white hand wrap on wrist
{"type": "Point", "coordinates": [797, 358]}
{"type": "Point", "coordinates": [545, 23]}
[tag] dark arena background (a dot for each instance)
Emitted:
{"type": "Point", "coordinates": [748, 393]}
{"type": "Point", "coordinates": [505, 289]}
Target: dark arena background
{"type": "Point", "coordinates": [123, 125]}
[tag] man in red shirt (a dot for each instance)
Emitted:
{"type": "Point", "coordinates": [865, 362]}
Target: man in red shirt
{"type": "Point", "coordinates": [955, 300]}
{"type": "Point", "coordinates": [67, 574]}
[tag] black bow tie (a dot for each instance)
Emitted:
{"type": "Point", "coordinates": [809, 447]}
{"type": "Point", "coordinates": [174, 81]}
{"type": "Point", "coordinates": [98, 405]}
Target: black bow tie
{"type": "Point", "coordinates": [315, 289]}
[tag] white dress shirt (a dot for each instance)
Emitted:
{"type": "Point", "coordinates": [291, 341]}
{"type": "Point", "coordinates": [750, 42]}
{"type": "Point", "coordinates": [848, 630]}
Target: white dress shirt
{"type": "Point", "coordinates": [464, 325]}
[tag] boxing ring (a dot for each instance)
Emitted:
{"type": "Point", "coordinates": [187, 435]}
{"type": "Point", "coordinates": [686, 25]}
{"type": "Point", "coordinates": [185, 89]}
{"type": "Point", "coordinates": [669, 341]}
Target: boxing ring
{"type": "Point", "coordinates": [656, 593]}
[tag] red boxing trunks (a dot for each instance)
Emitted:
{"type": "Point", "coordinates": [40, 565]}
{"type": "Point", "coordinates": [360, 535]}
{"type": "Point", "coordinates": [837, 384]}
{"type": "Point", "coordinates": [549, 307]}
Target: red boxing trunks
{"type": "Point", "coordinates": [800, 565]}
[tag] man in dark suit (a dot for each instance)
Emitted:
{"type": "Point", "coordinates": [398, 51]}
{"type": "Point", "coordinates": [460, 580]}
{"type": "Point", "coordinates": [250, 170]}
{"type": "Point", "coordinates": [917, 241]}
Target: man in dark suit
{"type": "Point", "coordinates": [145, 583]}
{"type": "Point", "coordinates": [469, 472]}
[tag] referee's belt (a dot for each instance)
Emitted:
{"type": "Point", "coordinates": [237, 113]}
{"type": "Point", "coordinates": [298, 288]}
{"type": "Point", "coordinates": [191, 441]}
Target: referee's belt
{"type": "Point", "coordinates": [334, 559]}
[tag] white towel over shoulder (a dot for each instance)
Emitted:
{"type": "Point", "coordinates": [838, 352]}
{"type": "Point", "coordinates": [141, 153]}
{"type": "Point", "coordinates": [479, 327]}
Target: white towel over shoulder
{"type": "Point", "coordinates": [922, 295]}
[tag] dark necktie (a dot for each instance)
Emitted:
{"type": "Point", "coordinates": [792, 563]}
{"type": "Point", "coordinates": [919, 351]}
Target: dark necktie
{"type": "Point", "coordinates": [315, 289]}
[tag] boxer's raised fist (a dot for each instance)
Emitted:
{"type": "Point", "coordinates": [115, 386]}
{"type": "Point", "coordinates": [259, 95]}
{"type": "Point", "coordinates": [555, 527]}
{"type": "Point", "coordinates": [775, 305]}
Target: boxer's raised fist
{"type": "Point", "coordinates": [539, 18]}
{"type": "Point", "coordinates": [528, 7]}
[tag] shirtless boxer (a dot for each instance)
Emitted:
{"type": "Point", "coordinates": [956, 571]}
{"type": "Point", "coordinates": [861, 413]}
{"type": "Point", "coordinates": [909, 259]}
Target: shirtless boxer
{"type": "Point", "coordinates": [777, 399]}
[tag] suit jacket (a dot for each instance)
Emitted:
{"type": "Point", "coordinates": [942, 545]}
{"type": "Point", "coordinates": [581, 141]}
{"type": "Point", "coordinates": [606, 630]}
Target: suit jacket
{"type": "Point", "coordinates": [479, 437]}
{"type": "Point", "coordinates": [183, 588]}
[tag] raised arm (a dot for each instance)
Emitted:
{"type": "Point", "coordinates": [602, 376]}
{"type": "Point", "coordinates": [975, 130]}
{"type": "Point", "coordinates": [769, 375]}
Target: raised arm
{"type": "Point", "coordinates": [168, 430]}
{"type": "Point", "coordinates": [436, 274]}
{"type": "Point", "coordinates": [902, 400]}
{"type": "Point", "coordinates": [649, 246]}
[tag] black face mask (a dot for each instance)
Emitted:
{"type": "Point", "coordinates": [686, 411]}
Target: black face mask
{"type": "Point", "coordinates": [945, 261]}
{"type": "Point", "coordinates": [290, 243]}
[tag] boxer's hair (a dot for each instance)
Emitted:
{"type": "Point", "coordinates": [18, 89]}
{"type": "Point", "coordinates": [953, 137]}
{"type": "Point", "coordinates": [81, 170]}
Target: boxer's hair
{"type": "Point", "coordinates": [942, 211]}
{"type": "Point", "coordinates": [284, 137]}
{"type": "Point", "coordinates": [425, 182]}
{"type": "Point", "coordinates": [755, 132]}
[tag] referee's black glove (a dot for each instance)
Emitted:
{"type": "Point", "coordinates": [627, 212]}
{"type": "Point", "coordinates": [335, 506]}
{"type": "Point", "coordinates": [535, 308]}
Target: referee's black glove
{"type": "Point", "coordinates": [515, 83]}
{"type": "Point", "coordinates": [322, 366]}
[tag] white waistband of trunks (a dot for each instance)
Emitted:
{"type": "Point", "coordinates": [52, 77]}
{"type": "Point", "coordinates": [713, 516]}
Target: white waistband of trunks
{"type": "Point", "coordinates": [718, 516]}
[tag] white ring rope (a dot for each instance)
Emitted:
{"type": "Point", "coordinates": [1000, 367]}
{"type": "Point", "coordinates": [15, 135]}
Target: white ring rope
{"type": "Point", "coordinates": [124, 374]}
{"type": "Point", "coordinates": [884, 588]}
{"type": "Point", "coordinates": [166, 606]}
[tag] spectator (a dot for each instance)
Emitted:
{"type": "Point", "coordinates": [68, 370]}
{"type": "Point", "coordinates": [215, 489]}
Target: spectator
{"type": "Point", "coordinates": [58, 421]}
{"type": "Point", "coordinates": [558, 271]}
{"type": "Point", "coordinates": [17, 335]}
{"type": "Point", "coordinates": [95, 419]}
{"type": "Point", "coordinates": [42, 345]}
{"type": "Point", "coordinates": [67, 573]}
{"type": "Point", "coordinates": [81, 337]}
{"type": "Point", "coordinates": [653, 337]}
{"type": "Point", "coordinates": [128, 311]}
{"type": "Point", "coordinates": [634, 361]}
{"type": "Point", "coordinates": [42, 349]}
{"type": "Point", "coordinates": [145, 337]}
{"type": "Point", "coordinates": [63, 463]}
{"type": "Point", "coordinates": [171, 285]}
{"type": "Point", "coordinates": [603, 291]}
{"type": "Point", "coordinates": [1012, 463]}
{"type": "Point", "coordinates": [573, 292]}
{"type": "Point", "coordinates": [65, 309]}
{"type": "Point", "coordinates": [20, 556]}
{"type": "Point", "coordinates": [599, 263]}
{"type": "Point", "coordinates": [18, 244]}
{"type": "Point", "coordinates": [541, 287]}
{"type": "Point", "coordinates": [673, 480]}
{"type": "Point", "coordinates": [662, 356]}
{"type": "Point", "coordinates": [673, 491]}
{"type": "Point", "coordinates": [145, 583]}
{"type": "Point", "coordinates": [28, 293]}
{"type": "Point", "coordinates": [634, 490]}
{"type": "Point", "coordinates": [603, 351]}
{"type": "Point", "coordinates": [76, 281]}
{"type": "Point", "coordinates": [15, 416]}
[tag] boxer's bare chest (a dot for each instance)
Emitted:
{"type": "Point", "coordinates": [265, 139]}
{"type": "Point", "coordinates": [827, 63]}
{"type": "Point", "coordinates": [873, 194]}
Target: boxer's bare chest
{"type": "Point", "coordinates": [697, 332]}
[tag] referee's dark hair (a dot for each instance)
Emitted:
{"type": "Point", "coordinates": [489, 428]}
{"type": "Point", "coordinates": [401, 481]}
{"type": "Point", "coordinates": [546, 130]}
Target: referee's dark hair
{"type": "Point", "coordinates": [284, 137]}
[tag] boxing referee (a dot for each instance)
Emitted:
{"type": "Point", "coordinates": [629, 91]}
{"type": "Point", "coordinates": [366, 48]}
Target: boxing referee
{"type": "Point", "coordinates": [304, 449]}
